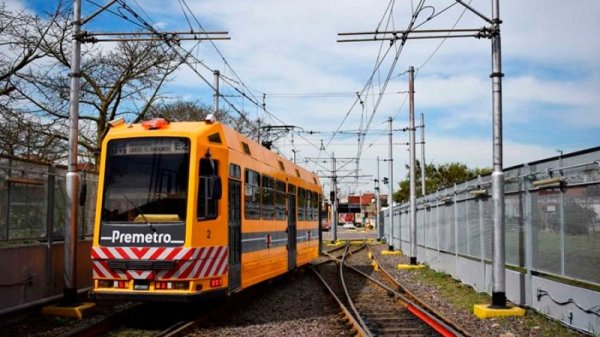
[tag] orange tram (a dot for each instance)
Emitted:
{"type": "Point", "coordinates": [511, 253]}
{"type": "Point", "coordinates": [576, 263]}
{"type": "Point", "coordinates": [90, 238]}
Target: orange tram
{"type": "Point", "coordinates": [191, 209]}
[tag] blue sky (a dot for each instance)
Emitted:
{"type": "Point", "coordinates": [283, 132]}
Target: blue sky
{"type": "Point", "coordinates": [286, 48]}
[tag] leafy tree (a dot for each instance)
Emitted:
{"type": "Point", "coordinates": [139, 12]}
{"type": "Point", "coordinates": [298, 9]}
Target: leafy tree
{"type": "Point", "coordinates": [437, 177]}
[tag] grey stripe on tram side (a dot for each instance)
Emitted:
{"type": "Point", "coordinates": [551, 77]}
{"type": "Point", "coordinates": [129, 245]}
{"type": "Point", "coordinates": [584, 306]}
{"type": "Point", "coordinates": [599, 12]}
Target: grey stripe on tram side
{"type": "Point", "coordinates": [252, 242]}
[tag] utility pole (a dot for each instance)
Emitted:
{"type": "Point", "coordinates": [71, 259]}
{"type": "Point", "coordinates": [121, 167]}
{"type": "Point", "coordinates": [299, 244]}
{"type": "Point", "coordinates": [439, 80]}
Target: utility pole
{"type": "Point", "coordinates": [72, 179]}
{"type": "Point", "coordinates": [423, 155]}
{"type": "Point", "coordinates": [334, 203]}
{"type": "Point", "coordinates": [217, 93]}
{"type": "Point", "coordinates": [413, 194]}
{"type": "Point", "coordinates": [391, 187]}
{"type": "Point", "coordinates": [498, 252]}
{"type": "Point", "coordinates": [378, 204]}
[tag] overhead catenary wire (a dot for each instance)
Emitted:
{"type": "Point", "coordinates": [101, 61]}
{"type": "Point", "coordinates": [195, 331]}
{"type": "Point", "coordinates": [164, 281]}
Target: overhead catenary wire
{"type": "Point", "coordinates": [184, 58]}
{"type": "Point", "coordinates": [188, 54]}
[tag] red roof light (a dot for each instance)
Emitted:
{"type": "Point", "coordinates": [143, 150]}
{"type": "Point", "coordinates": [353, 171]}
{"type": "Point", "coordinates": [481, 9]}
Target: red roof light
{"type": "Point", "coordinates": [156, 123]}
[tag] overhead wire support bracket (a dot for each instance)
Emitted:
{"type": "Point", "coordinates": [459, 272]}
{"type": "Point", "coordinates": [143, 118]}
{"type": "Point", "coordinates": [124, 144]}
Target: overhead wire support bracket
{"type": "Point", "coordinates": [474, 11]}
{"type": "Point", "coordinates": [100, 10]}
{"type": "Point", "coordinates": [151, 36]}
{"type": "Point", "coordinates": [484, 32]}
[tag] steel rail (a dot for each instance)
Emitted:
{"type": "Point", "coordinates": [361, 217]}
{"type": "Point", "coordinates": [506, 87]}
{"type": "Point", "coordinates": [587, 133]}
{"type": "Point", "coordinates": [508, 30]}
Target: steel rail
{"type": "Point", "coordinates": [348, 297]}
{"type": "Point", "coordinates": [429, 316]}
{"type": "Point", "coordinates": [355, 325]}
{"type": "Point", "coordinates": [102, 326]}
{"type": "Point", "coordinates": [435, 323]}
{"type": "Point", "coordinates": [419, 305]}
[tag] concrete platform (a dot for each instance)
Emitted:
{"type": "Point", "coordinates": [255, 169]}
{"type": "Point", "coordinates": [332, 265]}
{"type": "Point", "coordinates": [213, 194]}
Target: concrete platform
{"type": "Point", "coordinates": [74, 311]}
{"type": "Point", "coordinates": [484, 311]}
{"type": "Point", "coordinates": [410, 266]}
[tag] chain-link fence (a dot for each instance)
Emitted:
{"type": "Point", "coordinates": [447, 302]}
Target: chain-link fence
{"type": "Point", "coordinates": [33, 201]}
{"type": "Point", "coordinates": [552, 218]}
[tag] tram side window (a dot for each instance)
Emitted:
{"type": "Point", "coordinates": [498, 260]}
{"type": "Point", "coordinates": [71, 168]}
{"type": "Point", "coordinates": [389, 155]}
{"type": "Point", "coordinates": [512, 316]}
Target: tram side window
{"type": "Point", "coordinates": [301, 204]}
{"type": "Point", "coordinates": [308, 206]}
{"type": "Point", "coordinates": [252, 195]}
{"type": "Point", "coordinates": [315, 205]}
{"type": "Point", "coordinates": [280, 200]}
{"type": "Point", "coordinates": [207, 205]}
{"type": "Point", "coordinates": [268, 198]}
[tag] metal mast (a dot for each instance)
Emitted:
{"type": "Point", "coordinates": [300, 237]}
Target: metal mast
{"type": "Point", "coordinates": [391, 187]}
{"type": "Point", "coordinates": [378, 204]}
{"type": "Point", "coordinates": [498, 253]}
{"type": "Point", "coordinates": [423, 165]}
{"type": "Point", "coordinates": [217, 94]}
{"type": "Point", "coordinates": [334, 204]}
{"type": "Point", "coordinates": [413, 195]}
{"type": "Point", "coordinates": [72, 178]}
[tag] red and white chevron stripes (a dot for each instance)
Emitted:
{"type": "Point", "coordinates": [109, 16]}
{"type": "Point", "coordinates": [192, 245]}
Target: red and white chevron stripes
{"type": "Point", "coordinates": [191, 263]}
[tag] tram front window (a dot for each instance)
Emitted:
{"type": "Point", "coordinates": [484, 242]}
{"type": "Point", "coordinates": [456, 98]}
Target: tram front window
{"type": "Point", "coordinates": [146, 180]}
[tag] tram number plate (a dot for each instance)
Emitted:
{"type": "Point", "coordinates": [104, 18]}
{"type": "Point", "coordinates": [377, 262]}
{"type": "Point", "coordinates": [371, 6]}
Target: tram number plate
{"type": "Point", "coordinates": [141, 286]}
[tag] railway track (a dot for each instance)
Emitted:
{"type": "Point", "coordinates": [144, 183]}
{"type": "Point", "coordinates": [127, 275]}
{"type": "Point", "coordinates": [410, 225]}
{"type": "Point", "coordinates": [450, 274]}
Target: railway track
{"type": "Point", "coordinates": [148, 319]}
{"type": "Point", "coordinates": [372, 303]}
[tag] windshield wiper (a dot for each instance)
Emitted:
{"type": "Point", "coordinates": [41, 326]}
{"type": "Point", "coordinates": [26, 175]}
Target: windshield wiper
{"type": "Point", "coordinates": [140, 213]}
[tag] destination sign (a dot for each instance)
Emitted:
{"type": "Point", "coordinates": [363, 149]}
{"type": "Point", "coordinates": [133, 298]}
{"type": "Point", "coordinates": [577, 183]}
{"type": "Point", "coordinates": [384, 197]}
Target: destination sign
{"type": "Point", "coordinates": [151, 146]}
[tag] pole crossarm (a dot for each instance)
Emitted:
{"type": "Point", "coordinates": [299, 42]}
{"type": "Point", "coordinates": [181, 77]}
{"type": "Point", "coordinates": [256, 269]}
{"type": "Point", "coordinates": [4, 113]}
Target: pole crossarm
{"type": "Point", "coordinates": [479, 33]}
{"type": "Point", "coordinates": [93, 37]}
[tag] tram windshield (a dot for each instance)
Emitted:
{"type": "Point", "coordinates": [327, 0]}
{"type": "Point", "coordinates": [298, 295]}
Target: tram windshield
{"type": "Point", "coordinates": [146, 180]}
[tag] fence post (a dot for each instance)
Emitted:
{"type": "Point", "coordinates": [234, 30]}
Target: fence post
{"type": "Point", "coordinates": [482, 237]}
{"type": "Point", "coordinates": [527, 222]}
{"type": "Point", "coordinates": [50, 221]}
{"type": "Point", "coordinates": [468, 232]}
{"type": "Point", "coordinates": [439, 226]}
{"type": "Point", "coordinates": [455, 207]}
{"type": "Point", "coordinates": [424, 227]}
{"type": "Point", "coordinates": [561, 214]}
{"type": "Point", "coordinates": [8, 192]}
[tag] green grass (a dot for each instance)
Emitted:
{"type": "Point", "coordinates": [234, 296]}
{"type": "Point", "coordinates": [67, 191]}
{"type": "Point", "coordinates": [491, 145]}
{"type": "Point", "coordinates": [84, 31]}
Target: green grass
{"type": "Point", "coordinates": [458, 294]}
{"type": "Point", "coordinates": [464, 297]}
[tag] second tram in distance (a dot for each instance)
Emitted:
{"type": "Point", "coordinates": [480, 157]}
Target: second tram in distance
{"type": "Point", "coordinates": [191, 209]}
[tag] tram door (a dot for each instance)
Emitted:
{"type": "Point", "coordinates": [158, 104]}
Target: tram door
{"type": "Point", "coordinates": [235, 234]}
{"type": "Point", "coordinates": [291, 226]}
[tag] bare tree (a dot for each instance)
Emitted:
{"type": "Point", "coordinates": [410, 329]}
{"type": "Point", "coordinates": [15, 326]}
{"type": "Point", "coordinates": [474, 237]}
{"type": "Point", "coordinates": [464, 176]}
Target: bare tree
{"type": "Point", "coordinates": [118, 80]}
{"type": "Point", "coordinates": [24, 136]}
{"type": "Point", "coordinates": [180, 110]}
{"type": "Point", "coordinates": [21, 35]}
